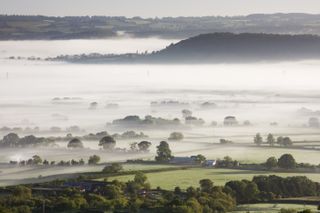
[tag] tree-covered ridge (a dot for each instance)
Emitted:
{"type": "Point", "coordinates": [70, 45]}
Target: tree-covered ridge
{"type": "Point", "coordinates": [137, 195]}
{"type": "Point", "coordinates": [43, 27]}
{"type": "Point", "coordinates": [228, 47]}
{"type": "Point", "coordinates": [218, 48]}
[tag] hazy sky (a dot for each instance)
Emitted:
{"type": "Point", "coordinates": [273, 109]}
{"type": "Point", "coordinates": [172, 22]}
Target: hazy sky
{"type": "Point", "coordinates": [160, 8]}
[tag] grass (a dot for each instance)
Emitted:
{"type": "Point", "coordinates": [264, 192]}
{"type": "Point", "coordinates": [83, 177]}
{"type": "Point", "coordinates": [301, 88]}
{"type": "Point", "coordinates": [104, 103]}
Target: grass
{"type": "Point", "coordinates": [191, 177]}
{"type": "Point", "coordinates": [256, 154]}
{"type": "Point", "coordinates": [272, 207]}
{"type": "Point", "coordinates": [140, 167]}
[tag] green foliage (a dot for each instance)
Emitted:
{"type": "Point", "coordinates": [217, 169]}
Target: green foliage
{"type": "Point", "coordinates": [163, 152]}
{"type": "Point", "coordinates": [108, 143]}
{"type": "Point", "coordinates": [113, 168]}
{"type": "Point", "coordinates": [258, 139]}
{"type": "Point", "coordinates": [176, 136]}
{"type": "Point", "coordinates": [75, 143]}
{"type": "Point", "coordinates": [199, 159]}
{"type": "Point", "coordinates": [287, 161]}
{"type": "Point", "coordinates": [94, 159]}
{"type": "Point", "coordinates": [271, 162]}
{"type": "Point", "coordinates": [271, 140]}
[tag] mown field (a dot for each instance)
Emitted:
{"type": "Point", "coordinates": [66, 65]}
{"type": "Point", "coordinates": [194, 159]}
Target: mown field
{"type": "Point", "coordinates": [272, 207]}
{"type": "Point", "coordinates": [191, 177]}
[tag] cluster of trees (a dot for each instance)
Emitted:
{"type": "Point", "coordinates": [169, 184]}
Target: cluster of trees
{"type": "Point", "coordinates": [227, 162]}
{"type": "Point", "coordinates": [13, 140]}
{"type": "Point", "coordinates": [286, 161]}
{"type": "Point", "coordinates": [143, 146]}
{"type": "Point", "coordinates": [97, 136]}
{"type": "Point", "coordinates": [36, 160]}
{"type": "Point", "coordinates": [133, 196]}
{"type": "Point", "coordinates": [148, 121]}
{"type": "Point", "coordinates": [267, 188]}
{"type": "Point", "coordinates": [176, 136]}
{"type": "Point", "coordinates": [272, 141]}
{"type": "Point", "coordinates": [137, 196]}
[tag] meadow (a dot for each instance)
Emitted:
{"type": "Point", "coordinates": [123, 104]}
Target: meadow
{"type": "Point", "coordinates": [272, 207]}
{"type": "Point", "coordinates": [191, 177]}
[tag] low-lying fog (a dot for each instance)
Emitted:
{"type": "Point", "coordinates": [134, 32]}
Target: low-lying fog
{"type": "Point", "coordinates": [260, 93]}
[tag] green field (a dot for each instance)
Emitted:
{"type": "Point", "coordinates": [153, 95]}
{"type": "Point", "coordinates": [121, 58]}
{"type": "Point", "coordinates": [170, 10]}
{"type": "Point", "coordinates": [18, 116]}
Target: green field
{"type": "Point", "coordinates": [272, 207]}
{"type": "Point", "coordinates": [191, 177]}
{"type": "Point", "coordinates": [140, 167]}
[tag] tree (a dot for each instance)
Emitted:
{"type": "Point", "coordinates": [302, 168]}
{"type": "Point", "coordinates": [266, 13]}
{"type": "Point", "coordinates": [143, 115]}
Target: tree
{"type": "Point", "coordinates": [287, 141]}
{"type": "Point", "coordinates": [75, 143]}
{"type": "Point", "coordinates": [22, 192]}
{"type": "Point", "coordinates": [258, 139]}
{"type": "Point", "coordinates": [10, 140]}
{"type": "Point", "coordinates": [163, 152]}
{"type": "Point", "coordinates": [107, 142]}
{"type": "Point", "coordinates": [133, 147]}
{"type": "Point", "coordinates": [271, 140]}
{"type": "Point", "coordinates": [176, 136]}
{"type": "Point", "coordinates": [144, 146]}
{"type": "Point", "coordinates": [287, 161]}
{"type": "Point", "coordinates": [94, 159]}
{"type": "Point", "coordinates": [206, 185]}
{"type": "Point", "coordinates": [45, 162]}
{"type": "Point", "coordinates": [271, 162]}
{"type": "Point", "coordinates": [36, 159]}
{"type": "Point", "coordinates": [280, 140]}
{"type": "Point", "coordinates": [113, 168]}
{"type": "Point", "coordinates": [140, 178]}
{"type": "Point", "coordinates": [251, 191]}
{"type": "Point", "coordinates": [186, 113]}
{"type": "Point", "coordinates": [199, 159]}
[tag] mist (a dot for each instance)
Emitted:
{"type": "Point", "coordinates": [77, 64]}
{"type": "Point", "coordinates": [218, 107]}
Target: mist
{"type": "Point", "coordinates": [54, 94]}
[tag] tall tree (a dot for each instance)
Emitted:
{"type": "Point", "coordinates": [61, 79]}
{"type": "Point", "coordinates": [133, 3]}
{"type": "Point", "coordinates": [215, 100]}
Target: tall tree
{"type": "Point", "coordinates": [107, 142]}
{"type": "Point", "coordinates": [163, 152]}
{"type": "Point", "coordinates": [271, 140]}
{"type": "Point", "coordinates": [287, 161]}
{"type": "Point", "coordinates": [258, 139]}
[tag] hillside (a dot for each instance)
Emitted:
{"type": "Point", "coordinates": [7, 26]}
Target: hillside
{"type": "Point", "coordinates": [217, 48]}
{"type": "Point", "coordinates": [43, 27]}
{"type": "Point", "coordinates": [228, 47]}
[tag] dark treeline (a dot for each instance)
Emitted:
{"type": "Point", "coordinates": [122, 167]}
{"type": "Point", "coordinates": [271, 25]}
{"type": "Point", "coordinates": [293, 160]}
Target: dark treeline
{"type": "Point", "coordinates": [219, 48]}
{"type": "Point", "coordinates": [82, 195]}
{"type": "Point", "coordinates": [43, 27]}
{"type": "Point", "coordinates": [267, 188]}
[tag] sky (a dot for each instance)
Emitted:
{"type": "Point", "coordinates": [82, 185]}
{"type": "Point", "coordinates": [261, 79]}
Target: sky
{"type": "Point", "coordinates": [156, 8]}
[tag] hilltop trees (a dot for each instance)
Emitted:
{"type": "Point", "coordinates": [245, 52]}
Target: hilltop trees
{"type": "Point", "coordinates": [75, 143]}
{"type": "Point", "coordinates": [10, 140]}
{"type": "Point", "coordinates": [176, 136]}
{"type": "Point", "coordinates": [144, 146]}
{"type": "Point", "coordinates": [108, 143]}
{"type": "Point", "coordinates": [163, 152]}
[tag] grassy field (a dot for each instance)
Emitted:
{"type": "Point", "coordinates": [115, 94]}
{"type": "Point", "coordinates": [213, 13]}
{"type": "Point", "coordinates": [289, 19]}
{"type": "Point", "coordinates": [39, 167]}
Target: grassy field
{"type": "Point", "coordinates": [191, 177]}
{"type": "Point", "coordinates": [255, 154]}
{"type": "Point", "coordinates": [139, 167]}
{"type": "Point", "coordinates": [272, 207]}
